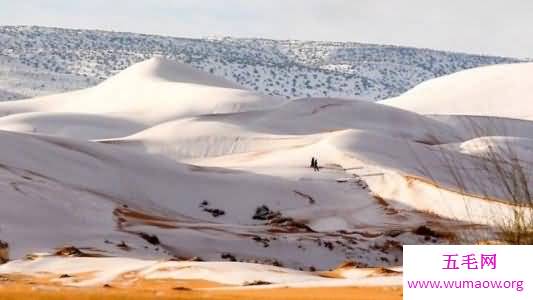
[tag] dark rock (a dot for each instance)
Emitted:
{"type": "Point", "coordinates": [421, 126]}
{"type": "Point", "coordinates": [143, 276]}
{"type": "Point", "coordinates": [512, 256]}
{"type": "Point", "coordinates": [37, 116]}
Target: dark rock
{"type": "Point", "coordinates": [228, 256]}
{"type": "Point", "coordinates": [262, 213]}
{"type": "Point", "coordinates": [426, 231]}
{"type": "Point", "coordinates": [257, 282]}
{"type": "Point", "coordinates": [276, 263]}
{"type": "Point", "coordinates": [122, 245]}
{"type": "Point", "coordinates": [328, 245]}
{"type": "Point", "coordinates": [70, 251]}
{"type": "Point", "coordinates": [150, 238]}
{"type": "Point", "coordinates": [264, 241]}
{"type": "Point", "coordinates": [215, 212]}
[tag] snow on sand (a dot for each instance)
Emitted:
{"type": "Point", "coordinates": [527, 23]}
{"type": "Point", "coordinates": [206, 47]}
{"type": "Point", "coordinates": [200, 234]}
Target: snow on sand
{"type": "Point", "coordinates": [164, 161]}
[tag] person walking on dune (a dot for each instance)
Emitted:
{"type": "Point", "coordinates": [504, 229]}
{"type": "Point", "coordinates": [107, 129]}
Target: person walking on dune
{"type": "Point", "coordinates": [315, 165]}
{"type": "Point", "coordinates": [312, 163]}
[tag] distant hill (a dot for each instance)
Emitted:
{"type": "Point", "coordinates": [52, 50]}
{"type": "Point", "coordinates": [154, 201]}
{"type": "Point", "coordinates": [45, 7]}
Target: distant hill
{"type": "Point", "coordinates": [38, 60]}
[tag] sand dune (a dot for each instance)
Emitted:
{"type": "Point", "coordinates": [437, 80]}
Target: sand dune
{"type": "Point", "coordinates": [499, 91]}
{"type": "Point", "coordinates": [149, 93]}
{"type": "Point", "coordinates": [163, 161]}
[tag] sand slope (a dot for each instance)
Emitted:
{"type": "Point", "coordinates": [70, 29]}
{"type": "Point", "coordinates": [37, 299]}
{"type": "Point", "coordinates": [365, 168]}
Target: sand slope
{"type": "Point", "coordinates": [500, 91]}
{"type": "Point", "coordinates": [162, 161]}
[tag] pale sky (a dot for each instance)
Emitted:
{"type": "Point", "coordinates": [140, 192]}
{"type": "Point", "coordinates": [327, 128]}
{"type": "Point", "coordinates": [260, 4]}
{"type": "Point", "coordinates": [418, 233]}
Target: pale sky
{"type": "Point", "coordinates": [499, 27]}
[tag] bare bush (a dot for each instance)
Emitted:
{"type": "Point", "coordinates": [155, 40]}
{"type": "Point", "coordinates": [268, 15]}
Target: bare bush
{"type": "Point", "coordinates": [500, 169]}
{"type": "Point", "coordinates": [4, 252]}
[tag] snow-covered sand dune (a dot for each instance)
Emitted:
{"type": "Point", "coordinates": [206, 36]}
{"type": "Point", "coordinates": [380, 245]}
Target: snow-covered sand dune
{"type": "Point", "coordinates": [297, 124]}
{"type": "Point", "coordinates": [499, 91]}
{"type": "Point", "coordinates": [164, 161]}
{"type": "Point", "coordinates": [148, 93]}
{"type": "Point", "coordinates": [38, 168]}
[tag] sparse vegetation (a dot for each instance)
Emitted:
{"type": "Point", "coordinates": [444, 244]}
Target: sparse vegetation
{"type": "Point", "coordinates": [215, 212]}
{"type": "Point", "coordinates": [499, 169]}
{"type": "Point", "coordinates": [4, 252]}
{"type": "Point", "coordinates": [284, 68]}
{"type": "Point", "coordinates": [511, 174]}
